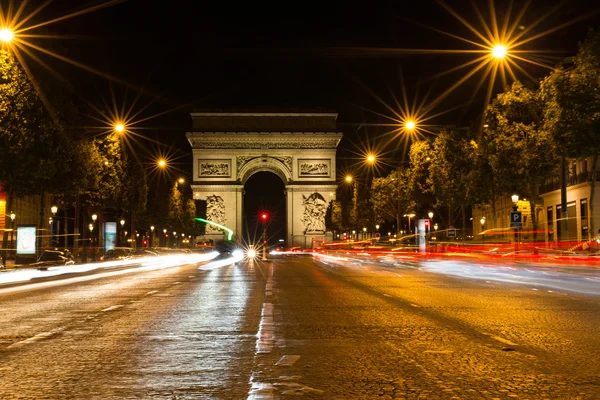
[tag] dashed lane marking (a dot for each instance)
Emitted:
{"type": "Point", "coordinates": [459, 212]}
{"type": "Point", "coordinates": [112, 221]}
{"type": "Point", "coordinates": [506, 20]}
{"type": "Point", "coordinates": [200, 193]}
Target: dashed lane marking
{"type": "Point", "coordinates": [39, 336]}
{"type": "Point", "coordinates": [287, 361]}
{"type": "Point", "coordinates": [111, 308]}
{"type": "Point", "coordinates": [505, 341]}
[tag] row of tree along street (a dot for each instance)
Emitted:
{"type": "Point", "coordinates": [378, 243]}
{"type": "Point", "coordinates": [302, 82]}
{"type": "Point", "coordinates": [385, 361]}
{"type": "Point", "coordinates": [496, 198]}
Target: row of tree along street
{"type": "Point", "coordinates": [526, 132]}
{"type": "Point", "coordinates": [46, 151]}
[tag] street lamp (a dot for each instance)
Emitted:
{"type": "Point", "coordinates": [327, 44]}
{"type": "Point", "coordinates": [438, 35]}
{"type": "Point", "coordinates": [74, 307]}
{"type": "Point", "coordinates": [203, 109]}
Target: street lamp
{"type": "Point", "coordinates": [122, 222]}
{"type": "Point", "coordinates": [499, 51]}
{"type": "Point", "coordinates": [162, 163]}
{"type": "Point", "coordinates": [6, 35]}
{"type": "Point", "coordinates": [119, 127]}
{"type": "Point", "coordinates": [515, 200]}
{"type": "Point", "coordinates": [181, 180]}
{"type": "Point", "coordinates": [152, 236]}
{"type": "Point", "coordinates": [364, 233]}
{"type": "Point", "coordinates": [411, 215]}
{"type": "Point", "coordinates": [482, 222]}
{"type": "Point", "coordinates": [377, 226]}
{"type": "Point", "coordinates": [348, 178]}
{"type": "Point", "coordinates": [12, 229]}
{"type": "Point", "coordinates": [410, 125]}
{"type": "Point", "coordinates": [430, 214]}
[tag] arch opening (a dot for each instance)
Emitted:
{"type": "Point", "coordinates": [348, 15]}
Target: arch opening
{"type": "Point", "coordinates": [264, 192]}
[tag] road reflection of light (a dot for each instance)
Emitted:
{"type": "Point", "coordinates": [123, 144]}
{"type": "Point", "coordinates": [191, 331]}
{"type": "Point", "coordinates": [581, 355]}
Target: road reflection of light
{"type": "Point", "coordinates": [331, 258]}
{"type": "Point", "coordinates": [218, 263]}
{"type": "Point", "coordinates": [194, 349]}
{"type": "Point", "coordinates": [569, 281]}
{"type": "Point", "coordinates": [146, 263]}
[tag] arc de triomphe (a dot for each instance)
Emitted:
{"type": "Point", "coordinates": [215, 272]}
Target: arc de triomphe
{"type": "Point", "coordinates": [300, 148]}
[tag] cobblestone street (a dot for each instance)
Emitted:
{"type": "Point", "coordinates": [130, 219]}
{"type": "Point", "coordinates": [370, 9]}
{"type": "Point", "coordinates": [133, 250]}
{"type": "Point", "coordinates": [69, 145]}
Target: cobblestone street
{"type": "Point", "coordinates": [297, 326]}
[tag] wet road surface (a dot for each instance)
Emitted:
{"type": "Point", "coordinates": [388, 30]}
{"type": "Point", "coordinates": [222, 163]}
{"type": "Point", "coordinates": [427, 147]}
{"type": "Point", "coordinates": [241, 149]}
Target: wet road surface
{"type": "Point", "coordinates": [298, 326]}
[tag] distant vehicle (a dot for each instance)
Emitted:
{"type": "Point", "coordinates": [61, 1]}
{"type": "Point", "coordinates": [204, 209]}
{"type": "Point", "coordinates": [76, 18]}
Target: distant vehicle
{"type": "Point", "coordinates": [167, 251]}
{"type": "Point", "coordinates": [118, 253]}
{"type": "Point", "coordinates": [143, 252]}
{"type": "Point", "coordinates": [52, 258]}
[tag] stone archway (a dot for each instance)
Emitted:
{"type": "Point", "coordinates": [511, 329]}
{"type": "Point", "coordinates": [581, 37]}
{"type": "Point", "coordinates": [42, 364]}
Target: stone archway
{"type": "Point", "coordinates": [300, 148]}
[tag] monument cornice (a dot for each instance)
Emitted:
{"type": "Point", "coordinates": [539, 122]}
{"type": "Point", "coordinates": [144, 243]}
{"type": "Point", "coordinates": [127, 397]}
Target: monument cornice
{"type": "Point", "coordinates": [264, 140]}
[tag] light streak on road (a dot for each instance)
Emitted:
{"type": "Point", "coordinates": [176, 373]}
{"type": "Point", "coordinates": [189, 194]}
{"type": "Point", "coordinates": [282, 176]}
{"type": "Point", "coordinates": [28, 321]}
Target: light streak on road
{"type": "Point", "coordinates": [557, 279]}
{"type": "Point", "coordinates": [146, 263]}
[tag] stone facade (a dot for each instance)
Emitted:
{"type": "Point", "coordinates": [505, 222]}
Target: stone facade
{"type": "Point", "coordinates": [300, 148]}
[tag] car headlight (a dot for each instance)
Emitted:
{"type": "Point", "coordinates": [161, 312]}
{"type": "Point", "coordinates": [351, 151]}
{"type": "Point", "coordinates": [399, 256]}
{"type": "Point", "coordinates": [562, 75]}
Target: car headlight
{"type": "Point", "coordinates": [251, 253]}
{"type": "Point", "coordinates": [237, 253]}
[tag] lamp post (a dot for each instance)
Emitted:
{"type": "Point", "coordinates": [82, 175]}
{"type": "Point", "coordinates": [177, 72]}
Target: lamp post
{"type": "Point", "coordinates": [122, 236]}
{"type": "Point", "coordinates": [411, 215]}
{"type": "Point", "coordinates": [152, 236]}
{"type": "Point", "coordinates": [53, 210]}
{"type": "Point", "coordinates": [515, 201]}
{"type": "Point", "coordinates": [482, 222]}
{"type": "Point", "coordinates": [175, 238]}
{"type": "Point", "coordinates": [12, 230]}
{"type": "Point", "coordinates": [91, 228]}
{"type": "Point", "coordinates": [165, 234]}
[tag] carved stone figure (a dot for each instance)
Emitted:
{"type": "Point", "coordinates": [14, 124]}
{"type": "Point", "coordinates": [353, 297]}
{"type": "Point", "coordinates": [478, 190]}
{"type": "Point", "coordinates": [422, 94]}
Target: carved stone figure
{"type": "Point", "coordinates": [315, 208]}
{"type": "Point", "coordinates": [314, 168]}
{"type": "Point", "coordinates": [215, 212]}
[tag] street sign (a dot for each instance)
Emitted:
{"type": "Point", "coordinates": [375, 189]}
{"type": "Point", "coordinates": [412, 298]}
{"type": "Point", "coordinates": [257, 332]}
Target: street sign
{"type": "Point", "coordinates": [377, 235]}
{"type": "Point", "coordinates": [451, 232]}
{"type": "Point", "coordinates": [516, 220]}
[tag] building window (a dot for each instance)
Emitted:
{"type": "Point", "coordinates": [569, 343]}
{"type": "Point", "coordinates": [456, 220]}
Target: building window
{"type": "Point", "coordinates": [583, 213]}
{"type": "Point", "coordinates": [550, 222]}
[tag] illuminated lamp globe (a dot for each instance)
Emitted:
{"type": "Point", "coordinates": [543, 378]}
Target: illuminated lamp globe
{"type": "Point", "coordinates": [6, 35]}
{"type": "Point", "coordinates": [119, 127]}
{"type": "Point", "coordinates": [371, 158]}
{"type": "Point", "coordinates": [251, 253]}
{"type": "Point", "coordinates": [499, 51]}
{"type": "Point", "coordinates": [410, 125]}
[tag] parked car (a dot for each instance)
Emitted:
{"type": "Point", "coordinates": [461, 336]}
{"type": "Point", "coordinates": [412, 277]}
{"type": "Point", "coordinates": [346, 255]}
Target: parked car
{"type": "Point", "coordinates": [52, 258]}
{"type": "Point", "coordinates": [117, 253]}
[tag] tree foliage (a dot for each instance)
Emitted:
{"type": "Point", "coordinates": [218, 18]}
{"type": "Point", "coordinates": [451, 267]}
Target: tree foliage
{"type": "Point", "coordinates": [520, 150]}
{"type": "Point", "coordinates": [390, 197]}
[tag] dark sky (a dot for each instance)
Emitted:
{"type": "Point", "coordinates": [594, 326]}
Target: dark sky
{"type": "Point", "coordinates": [186, 55]}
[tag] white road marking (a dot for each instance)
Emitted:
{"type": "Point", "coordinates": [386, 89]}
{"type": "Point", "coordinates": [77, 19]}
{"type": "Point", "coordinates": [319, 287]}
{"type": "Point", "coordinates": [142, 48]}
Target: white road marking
{"type": "Point", "coordinates": [505, 341]}
{"type": "Point", "coordinates": [264, 344]}
{"type": "Point", "coordinates": [439, 351]}
{"type": "Point", "coordinates": [287, 361]}
{"type": "Point", "coordinates": [39, 336]}
{"type": "Point", "coordinates": [151, 292]}
{"type": "Point", "coordinates": [111, 308]}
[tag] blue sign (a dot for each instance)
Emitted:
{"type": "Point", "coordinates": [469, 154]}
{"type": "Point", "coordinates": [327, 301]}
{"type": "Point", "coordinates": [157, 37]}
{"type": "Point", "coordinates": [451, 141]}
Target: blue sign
{"type": "Point", "coordinates": [451, 232]}
{"type": "Point", "coordinates": [516, 219]}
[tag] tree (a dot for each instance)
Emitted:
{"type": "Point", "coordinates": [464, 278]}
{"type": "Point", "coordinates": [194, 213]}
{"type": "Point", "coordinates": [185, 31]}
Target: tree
{"type": "Point", "coordinates": [572, 113]}
{"type": "Point", "coordinates": [452, 162]}
{"type": "Point", "coordinates": [175, 212]}
{"type": "Point", "coordinates": [521, 151]}
{"type": "Point", "coordinates": [21, 115]}
{"type": "Point", "coordinates": [390, 198]}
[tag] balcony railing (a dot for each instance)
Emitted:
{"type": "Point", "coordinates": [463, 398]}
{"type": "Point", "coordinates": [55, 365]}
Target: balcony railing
{"type": "Point", "coordinates": [571, 180]}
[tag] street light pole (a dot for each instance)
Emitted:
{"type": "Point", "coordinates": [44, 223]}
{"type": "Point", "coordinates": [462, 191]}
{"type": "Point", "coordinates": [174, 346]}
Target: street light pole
{"type": "Point", "coordinates": [482, 222]}
{"type": "Point", "coordinates": [12, 230]}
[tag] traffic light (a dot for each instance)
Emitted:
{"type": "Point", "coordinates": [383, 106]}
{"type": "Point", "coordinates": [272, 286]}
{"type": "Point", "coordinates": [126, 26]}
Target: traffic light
{"type": "Point", "coordinates": [264, 216]}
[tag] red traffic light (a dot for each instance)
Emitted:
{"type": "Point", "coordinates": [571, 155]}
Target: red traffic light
{"type": "Point", "coordinates": [264, 217]}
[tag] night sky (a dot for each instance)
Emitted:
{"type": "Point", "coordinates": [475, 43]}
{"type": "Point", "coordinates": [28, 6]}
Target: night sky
{"type": "Point", "coordinates": [197, 55]}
